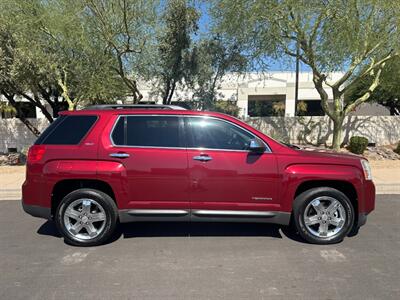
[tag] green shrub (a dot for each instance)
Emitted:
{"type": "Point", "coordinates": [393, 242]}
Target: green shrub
{"type": "Point", "coordinates": [397, 150]}
{"type": "Point", "coordinates": [358, 144]}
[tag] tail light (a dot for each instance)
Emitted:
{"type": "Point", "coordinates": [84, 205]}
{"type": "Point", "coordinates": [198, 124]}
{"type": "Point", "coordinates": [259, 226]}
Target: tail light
{"type": "Point", "coordinates": [35, 153]}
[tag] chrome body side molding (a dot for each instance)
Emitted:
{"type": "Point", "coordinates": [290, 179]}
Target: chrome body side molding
{"type": "Point", "coordinates": [152, 212]}
{"type": "Point", "coordinates": [153, 215]}
{"type": "Point", "coordinates": [233, 213]}
{"type": "Point", "coordinates": [203, 215]}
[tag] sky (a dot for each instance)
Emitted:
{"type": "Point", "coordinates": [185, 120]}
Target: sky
{"type": "Point", "coordinates": [273, 65]}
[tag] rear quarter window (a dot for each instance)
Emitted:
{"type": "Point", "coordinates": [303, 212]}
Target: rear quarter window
{"type": "Point", "coordinates": [67, 130]}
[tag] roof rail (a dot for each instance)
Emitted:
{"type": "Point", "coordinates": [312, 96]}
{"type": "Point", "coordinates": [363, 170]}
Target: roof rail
{"type": "Point", "coordinates": [133, 106]}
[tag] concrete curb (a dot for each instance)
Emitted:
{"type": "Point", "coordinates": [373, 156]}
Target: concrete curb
{"type": "Point", "coordinates": [387, 188]}
{"type": "Point", "coordinates": [10, 194]}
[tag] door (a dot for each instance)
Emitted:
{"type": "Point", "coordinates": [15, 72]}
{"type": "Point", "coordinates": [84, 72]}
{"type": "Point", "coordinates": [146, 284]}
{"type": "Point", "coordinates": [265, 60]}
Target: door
{"type": "Point", "coordinates": [224, 175]}
{"type": "Point", "coordinates": [151, 149]}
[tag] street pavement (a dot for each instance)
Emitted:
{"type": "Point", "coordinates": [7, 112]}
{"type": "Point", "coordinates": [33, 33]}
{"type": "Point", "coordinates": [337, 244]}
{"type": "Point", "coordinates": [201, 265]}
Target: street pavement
{"type": "Point", "coordinates": [199, 261]}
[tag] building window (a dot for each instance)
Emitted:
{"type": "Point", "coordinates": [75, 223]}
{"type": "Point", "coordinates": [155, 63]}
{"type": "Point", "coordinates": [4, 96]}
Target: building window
{"type": "Point", "coordinates": [266, 105]}
{"type": "Point", "coordinates": [27, 110]}
{"type": "Point", "coordinates": [309, 108]}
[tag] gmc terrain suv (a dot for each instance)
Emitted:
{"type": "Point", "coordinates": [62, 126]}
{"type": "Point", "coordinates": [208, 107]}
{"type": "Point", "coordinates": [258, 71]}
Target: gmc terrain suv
{"type": "Point", "coordinates": [93, 168]}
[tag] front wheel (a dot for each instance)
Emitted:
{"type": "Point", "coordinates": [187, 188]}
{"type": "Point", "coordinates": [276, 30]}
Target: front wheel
{"type": "Point", "coordinates": [323, 215]}
{"type": "Point", "coordinates": [86, 217]}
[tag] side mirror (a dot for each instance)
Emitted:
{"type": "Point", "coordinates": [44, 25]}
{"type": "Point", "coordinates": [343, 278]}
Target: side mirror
{"type": "Point", "coordinates": [256, 146]}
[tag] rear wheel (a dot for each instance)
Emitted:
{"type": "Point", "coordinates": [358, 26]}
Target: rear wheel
{"type": "Point", "coordinates": [323, 215]}
{"type": "Point", "coordinates": [86, 217]}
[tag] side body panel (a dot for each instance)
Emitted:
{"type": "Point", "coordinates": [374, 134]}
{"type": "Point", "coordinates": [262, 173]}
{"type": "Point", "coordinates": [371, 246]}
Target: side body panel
{"type": "Point", "coordinates": [153, 177]}
{"type": "Point", "coordinates": [234, 180]}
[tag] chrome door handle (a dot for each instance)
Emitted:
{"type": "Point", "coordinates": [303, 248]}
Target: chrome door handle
{"type": "Point", "coordinates": [119, 155]}
{"type": "Point", "coordinates": [202, 157]}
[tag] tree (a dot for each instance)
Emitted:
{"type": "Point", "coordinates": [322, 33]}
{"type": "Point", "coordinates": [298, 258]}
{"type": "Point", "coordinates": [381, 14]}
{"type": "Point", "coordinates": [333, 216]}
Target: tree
{"type": "Point", "coordinates": [125, 29]}
{"type": "Point", "coordinates": [209, 60]}
{"type": "Point", "coordinates": [71, 59]}
{"type": "Point", "coordinates": [387, 93]}
{"type": "Point", "coordinates": [173, 44]}
{"type": "Point", "coordinates": [49, 57]}
{"type": "Point", "coordinates": [16, 62]}
{"type": "Point", "coordinates": [357, 37]}
{"type": "Point", "coordinates": [7, 81]}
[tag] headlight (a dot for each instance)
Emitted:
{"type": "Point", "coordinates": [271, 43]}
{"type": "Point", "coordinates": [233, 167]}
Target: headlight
{"type": "Point", "coordinates": [367, 169]}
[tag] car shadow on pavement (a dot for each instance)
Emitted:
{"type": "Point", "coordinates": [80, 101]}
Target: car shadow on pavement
{"type": "Point", "coordinates": [49, 228]}
{"type": "Point", "coordinates": [187, 229]}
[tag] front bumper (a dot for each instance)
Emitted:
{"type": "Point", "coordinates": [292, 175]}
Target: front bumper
{"type": "Point", "coordinates": [37, 211]}
{"type": "Point", "coordinates": [362, 219]}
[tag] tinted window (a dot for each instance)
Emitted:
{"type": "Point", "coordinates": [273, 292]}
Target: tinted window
{"type": "Point", "coordinates": [217, 134]}
{"type": "Point", "coordinates": [48, 130]}
{"type": "Point", "coordinates": [266, 105]}
{"type": "Point", "coordinates": [148, 131]}
{"type": "Point", "coordinates": [67, 130]}
{"type": "Point", "coordinates": [118, 132]}
{"type": "Point", "coordinates": [309, 108]}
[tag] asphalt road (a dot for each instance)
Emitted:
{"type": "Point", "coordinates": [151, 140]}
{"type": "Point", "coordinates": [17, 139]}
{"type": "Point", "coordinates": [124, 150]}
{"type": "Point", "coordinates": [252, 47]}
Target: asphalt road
{"type": "Point", "coordinates": [199, 261]}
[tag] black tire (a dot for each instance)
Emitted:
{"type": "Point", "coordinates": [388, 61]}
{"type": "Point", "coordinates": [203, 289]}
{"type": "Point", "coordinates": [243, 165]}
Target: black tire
{"type": "Point", "coordinates": [110, 210]}
{"type": "Point", "coordinates": [304, 199]}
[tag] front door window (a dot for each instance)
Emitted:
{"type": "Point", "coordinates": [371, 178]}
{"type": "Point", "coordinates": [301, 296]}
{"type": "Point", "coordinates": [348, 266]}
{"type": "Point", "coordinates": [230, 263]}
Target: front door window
{"type": "Point", "coordinates": [209, 133]}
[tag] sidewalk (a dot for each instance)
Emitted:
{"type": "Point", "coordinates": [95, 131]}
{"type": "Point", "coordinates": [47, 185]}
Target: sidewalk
{"type": "Point", "coordinates": [11, 179]}
{"type": "Point", "coordinates": [386, 175]}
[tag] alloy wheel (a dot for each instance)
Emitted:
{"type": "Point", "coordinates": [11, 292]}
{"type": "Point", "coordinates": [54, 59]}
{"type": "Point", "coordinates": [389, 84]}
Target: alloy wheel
{"type": "Point", "coordinates": [324, 217]}
{"type": "Point", "coordinates": [84, 219]}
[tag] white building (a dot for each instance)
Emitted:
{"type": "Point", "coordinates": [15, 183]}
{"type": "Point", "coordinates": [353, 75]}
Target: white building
{"type": "Point", "coordinates": [256, 94]}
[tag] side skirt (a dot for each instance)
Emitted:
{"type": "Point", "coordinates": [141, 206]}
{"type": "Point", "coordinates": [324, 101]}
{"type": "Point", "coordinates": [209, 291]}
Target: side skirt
{"type": "Point", "coordinates": [197, 215]}
{"type": "Point", "coordinates": [153, 215]}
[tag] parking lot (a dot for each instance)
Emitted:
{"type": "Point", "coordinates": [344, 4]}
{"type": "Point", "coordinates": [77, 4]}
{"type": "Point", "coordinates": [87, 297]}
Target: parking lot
{"type": "Point", "coordinates": [199, 261]}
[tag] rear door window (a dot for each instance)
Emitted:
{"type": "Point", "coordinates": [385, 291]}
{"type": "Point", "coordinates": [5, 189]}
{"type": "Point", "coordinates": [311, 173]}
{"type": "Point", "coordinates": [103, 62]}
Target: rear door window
{"type": "Point", "coordinates": [148, 131]}
{"type": "Point", "coordinates": [67, 130]}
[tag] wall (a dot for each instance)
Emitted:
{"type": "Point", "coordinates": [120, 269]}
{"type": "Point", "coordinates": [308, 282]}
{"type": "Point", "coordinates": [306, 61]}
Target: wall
{"type": "Point", "coordinates": [14, 134]}
{"type": "Point", "coordinates": [381, 130]}
{"type": "Point", "coordinates": [300, 130]}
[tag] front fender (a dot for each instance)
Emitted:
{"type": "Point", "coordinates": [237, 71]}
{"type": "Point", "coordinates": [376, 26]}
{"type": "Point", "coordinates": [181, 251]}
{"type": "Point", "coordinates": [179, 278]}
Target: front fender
{"type": "Point", "coordinates": [294, 175]}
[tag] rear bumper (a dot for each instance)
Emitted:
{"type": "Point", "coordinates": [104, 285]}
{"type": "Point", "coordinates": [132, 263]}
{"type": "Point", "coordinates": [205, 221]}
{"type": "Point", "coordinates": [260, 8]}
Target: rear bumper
{"type": "Point", "coordinates": [30, 195]}
{"type": "Point", "coordinates": [37, 211]}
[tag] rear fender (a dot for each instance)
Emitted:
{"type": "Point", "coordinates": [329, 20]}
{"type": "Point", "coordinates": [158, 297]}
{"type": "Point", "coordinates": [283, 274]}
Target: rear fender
{"type": "Point", "coordinates": [112, 173]}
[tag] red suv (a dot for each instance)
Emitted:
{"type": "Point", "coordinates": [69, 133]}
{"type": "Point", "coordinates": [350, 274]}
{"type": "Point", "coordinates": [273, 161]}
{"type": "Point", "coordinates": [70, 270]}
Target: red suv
{"type": "Point", "coordinates": [93, 168]}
